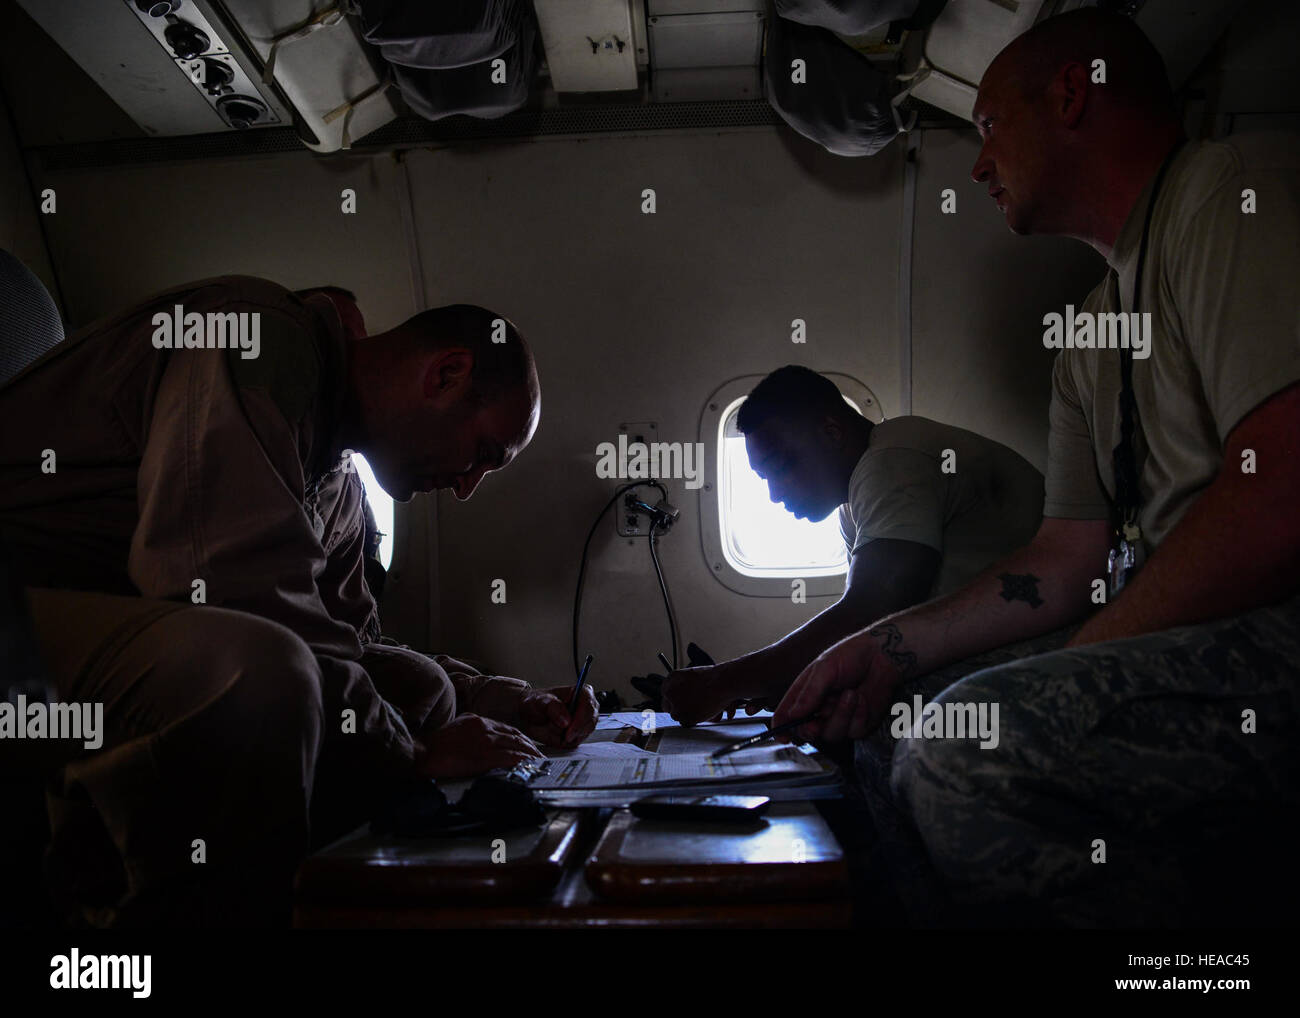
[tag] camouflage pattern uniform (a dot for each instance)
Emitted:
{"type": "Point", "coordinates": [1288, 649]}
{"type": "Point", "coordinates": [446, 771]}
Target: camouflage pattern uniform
{"type": "Point", "coordinates": [1137, 743]}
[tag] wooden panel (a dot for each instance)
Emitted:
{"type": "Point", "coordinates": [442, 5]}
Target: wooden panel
{"type": "Point", "coordinates": [792, 855]}
{"type": "Point", "coordinates": [801, 915]}
{"type": "Point", "coordinates": [354, 897]}
{"type": "Point", "coordinates": [366, 870]}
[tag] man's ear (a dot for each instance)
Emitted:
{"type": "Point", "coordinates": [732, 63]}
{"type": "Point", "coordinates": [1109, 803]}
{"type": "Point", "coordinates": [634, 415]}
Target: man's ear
{"type": "Point", "coordinates": [446, 373]}
{"type": "Point", "coordinates": [1070, 94]}
{"type": "Point", "coordinates": [834, 431]}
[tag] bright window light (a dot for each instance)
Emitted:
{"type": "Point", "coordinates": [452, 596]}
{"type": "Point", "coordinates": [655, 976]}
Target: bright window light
{"type": "Point", "coordinates": [380, 504]}
{"type": "Point", "coordinates": [759, 537]}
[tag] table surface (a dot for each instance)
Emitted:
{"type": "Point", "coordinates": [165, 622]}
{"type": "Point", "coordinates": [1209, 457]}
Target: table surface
{"type": "Point", "coordinates": [585, 868]}
{"type": "Point", "coordinates": [590, 867]}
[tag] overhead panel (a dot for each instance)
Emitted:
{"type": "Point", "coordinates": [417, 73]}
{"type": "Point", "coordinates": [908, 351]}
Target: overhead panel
{"type": "Point", "coordinates": [968, 34]}
{"type": "Point", "coordinates": [961, 44]}
{"type": "Point", "coordinates": [705, 49]}
{"type": "Point", "coordinates": [169, 64]}
{"type": "Point", "coordinates": [590, 46]}
{"type": "Point", "coordinates": [316, 56]}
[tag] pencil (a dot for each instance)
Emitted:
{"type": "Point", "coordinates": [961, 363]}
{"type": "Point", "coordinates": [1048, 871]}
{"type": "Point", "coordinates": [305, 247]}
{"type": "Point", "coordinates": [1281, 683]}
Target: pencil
{"type": "Point", "coordinates": [771, 733]}
{"type": "Point", "coordinates": [577, 686]}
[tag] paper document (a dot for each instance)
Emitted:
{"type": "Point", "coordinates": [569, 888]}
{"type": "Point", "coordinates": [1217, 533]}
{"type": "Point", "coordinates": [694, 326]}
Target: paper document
{"type": "Point", "coordinates": [600, 750]}
{"type": "Point", "coordinates": [652, 769]}
{"type": "Point", "coordinates": [658, 720]}
{"type": "Point", "coordinates": [646, 720]}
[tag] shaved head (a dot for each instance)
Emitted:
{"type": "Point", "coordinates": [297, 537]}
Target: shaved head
{"type": "Point", "coordinates": [1135, 71]}
{"type": "Point", "coordinates": [1075, 115]}
{"type": "Point", "coordinates": [501, 358]}
{"type": "Point", "coordinates": [448, 396]}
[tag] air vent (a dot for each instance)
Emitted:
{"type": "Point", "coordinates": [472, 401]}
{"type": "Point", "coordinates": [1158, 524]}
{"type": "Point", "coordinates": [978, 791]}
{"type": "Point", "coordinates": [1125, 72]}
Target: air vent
{"type": "Point", "coordinates": [204, 58]}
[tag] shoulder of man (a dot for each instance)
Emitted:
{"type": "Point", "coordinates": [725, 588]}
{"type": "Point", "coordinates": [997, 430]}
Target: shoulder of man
{"type": "Point", "coordinates": [920, 435]}
{"type": "Point", "coordinates": [1078, 367]}
{"type": "Point", "coordinates": [903, 450]}
{"type": "Point", "coordinates": [294, 338]}
{"type": "Point", "coordinates": [907, 431]}
{"type": "Point", "coordinates": [1215, 165]}
{"type": "Point", "coordinates": [296, 341]}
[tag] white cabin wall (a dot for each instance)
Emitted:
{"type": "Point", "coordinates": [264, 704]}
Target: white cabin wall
{"type": "Point", "coordinates": [639, 317]}
{"type": "Point", "coordinates": [126, 231]}
{"type": "Point", "coordinates": [979, 296]}
{"type": "Point", "coordinates": [633, 317]}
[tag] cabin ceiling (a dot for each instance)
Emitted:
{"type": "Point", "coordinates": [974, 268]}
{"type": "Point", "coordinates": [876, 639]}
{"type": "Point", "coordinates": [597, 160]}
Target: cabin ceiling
{"type": "Point", "coordinates": [601, 56]}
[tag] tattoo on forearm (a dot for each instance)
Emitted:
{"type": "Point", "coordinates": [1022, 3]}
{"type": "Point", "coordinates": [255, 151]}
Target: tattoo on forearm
{"type": "Point", "coordinates": [1024, 587]}
{"type": "Point", "coordinates": [891, 645]}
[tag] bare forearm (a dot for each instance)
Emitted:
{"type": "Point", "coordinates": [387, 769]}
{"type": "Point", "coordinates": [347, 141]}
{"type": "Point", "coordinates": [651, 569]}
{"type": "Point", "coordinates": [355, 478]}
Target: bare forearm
{"type": "Point", "coordinates": [1234, 549]}
{"type": "Point", "coordinates": [771, 670]}
{"type": "Point", "coordinates": [1040, 587]}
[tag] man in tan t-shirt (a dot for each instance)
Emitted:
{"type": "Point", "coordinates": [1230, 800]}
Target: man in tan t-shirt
{"type": "Point", "coordinates": [923, 507]}
{"type": "Point", "coordinates": [1163, 739]}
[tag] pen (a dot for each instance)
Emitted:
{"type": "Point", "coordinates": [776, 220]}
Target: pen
{"type": "Point", "coordinates": [577, 686]}
{"type": "Point", "coordinates": [763, 737]}
{"type": "Point", "coordinates": [664, 661]}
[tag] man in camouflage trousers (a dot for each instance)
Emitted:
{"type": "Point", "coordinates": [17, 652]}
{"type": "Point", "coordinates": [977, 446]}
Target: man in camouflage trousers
{"type": "Point", "coordinates": [1145, 761]}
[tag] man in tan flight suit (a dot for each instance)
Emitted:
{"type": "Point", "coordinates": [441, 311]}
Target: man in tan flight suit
{"type": "Point", "coordinates": [189, 528]}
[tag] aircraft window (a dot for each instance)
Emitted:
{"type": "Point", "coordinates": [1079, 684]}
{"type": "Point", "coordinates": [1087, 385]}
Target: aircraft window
{"type": "Point", "coordinates": [752, 545]}
{"type": "Point", "coordinates": [759, 537]}
{"type": "Point", "coordinates": [381, 505]}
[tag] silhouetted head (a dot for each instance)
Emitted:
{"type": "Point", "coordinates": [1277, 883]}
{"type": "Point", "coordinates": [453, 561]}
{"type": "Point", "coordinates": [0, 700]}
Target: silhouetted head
{"type": "Point", "coordinates": [1052, 129]}
{"type": "Point", "coordinates": [448, 396]}
{"type": "Point", "coordinates": [804, 439]}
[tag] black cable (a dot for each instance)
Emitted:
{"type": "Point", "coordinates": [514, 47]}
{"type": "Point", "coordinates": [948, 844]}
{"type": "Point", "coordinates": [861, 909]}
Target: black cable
{"type": "Point", "coordinates": [663, 589]}
{"type": "Point", "coordinates": [582, 566]}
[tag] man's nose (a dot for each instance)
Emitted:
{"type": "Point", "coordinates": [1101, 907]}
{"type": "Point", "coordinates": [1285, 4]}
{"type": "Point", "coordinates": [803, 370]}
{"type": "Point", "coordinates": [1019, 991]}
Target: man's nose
{"type": "Point", "coordinates": [983, 168]}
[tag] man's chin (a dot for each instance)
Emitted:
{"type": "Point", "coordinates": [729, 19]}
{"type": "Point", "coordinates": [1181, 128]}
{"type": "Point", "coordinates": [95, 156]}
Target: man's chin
{"type": "Point", "coordinates": [812, 515]}
{"type": "Point", "coordinates": [1018, 222]}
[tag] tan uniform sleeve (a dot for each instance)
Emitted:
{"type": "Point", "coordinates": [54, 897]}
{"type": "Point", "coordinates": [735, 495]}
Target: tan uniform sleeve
{"type": "Point", "coordinates": [220, 494]}
{"type": "Point", "coordinates": [1072, 488]}
{"type": "Point", "coordinates": [492, 696]}
{"type": "Point", "coordinates": [431, 689]}
{"type": "Point", "coordinates": [1233, 278]}
{"type": "Point", "coordinates": [342, 583]}
{"type": "Point", "coordinates": [898, 495]}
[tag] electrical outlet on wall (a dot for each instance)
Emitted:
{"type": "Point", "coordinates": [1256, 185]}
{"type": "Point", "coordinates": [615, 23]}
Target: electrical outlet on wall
{"type": "Point", "coordinates": [634, 524]}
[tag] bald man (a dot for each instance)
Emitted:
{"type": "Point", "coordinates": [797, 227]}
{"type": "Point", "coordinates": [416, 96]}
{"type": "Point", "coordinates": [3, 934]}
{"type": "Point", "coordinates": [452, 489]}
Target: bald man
{"type": "Point", "coordinates": [176, 492]}
{"type": "Point", "coordinates": [1143, 772]}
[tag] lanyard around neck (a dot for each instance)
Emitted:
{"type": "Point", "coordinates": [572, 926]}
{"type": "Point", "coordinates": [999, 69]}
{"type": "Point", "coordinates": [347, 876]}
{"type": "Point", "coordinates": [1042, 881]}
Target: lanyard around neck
{"type": "Point", "coordinates": [1128, 501]}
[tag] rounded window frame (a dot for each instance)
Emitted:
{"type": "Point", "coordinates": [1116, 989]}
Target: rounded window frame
{"type": "Point", "coordinates": [709, 509]}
